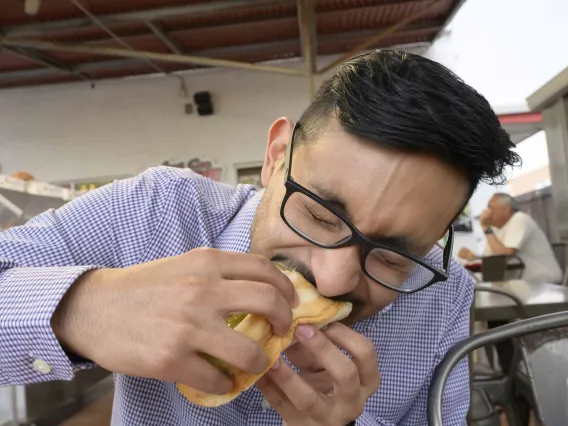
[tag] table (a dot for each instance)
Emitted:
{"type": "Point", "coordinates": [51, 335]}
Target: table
{"type": "Point", "coordinates": [538, 299]}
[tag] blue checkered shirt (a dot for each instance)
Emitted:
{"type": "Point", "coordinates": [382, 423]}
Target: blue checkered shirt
{"type": "Point", "coordinates": [165, 212]}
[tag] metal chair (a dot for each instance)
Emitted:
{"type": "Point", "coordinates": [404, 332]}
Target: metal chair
{"type": "Point", "coordinates": [545, 383]}
{"type": "Point", "coordinates": [501, 267]}
{"type": "Point", "coordinates": [550, 381]}
{"type": "Point", "coordinates": [499, 386]}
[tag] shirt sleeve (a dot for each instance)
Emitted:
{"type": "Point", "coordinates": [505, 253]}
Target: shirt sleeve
{"type": "Point", "coordinates": [455, 403]}
{"type": "Point", "coordinates": [516, 232]}
{"type": "Point", "coordinates": [42, 259]}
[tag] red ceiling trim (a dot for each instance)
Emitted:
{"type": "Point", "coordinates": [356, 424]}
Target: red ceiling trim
{"type": "Point", "coordinates": [529, 117]}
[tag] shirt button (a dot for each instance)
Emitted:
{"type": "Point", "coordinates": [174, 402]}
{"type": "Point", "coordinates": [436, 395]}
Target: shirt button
{"type": "Point", "coordinates": [41, 366]}
{"type": "Point", "coordinates": [265, 405]}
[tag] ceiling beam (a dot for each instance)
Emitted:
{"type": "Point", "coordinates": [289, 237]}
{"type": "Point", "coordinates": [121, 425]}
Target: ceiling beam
{"type": "Point", "coordinates": [114, 64]}
{"type": "Point", "coordinates": [86, 67]}
{"type": "Point", "coordinates": [164, 37]}
{"type": "Point", "coordinates": [280, 45]}
{"type": "Point", "coordinates": [371, 41]}
{"type": "Point", "coordinates": [42, 58]}
{"type": "Point", "coordinates": [153, 56]}
{"type": "Point", "coordinates": [140, 16]}
{"type": "Point", "coordinates": [307, 24]}
{"type": "Point", "coordinates": [95, 20]}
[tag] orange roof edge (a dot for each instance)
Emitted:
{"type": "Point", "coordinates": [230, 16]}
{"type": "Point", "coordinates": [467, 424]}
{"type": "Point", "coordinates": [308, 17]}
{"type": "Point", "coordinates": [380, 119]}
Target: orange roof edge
{"type": "Point", "coordinates": [528, 117]}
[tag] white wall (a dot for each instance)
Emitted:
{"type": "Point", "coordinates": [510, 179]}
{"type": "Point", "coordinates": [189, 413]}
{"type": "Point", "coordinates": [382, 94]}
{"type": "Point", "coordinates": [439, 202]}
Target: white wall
{"type": "Point", "coordinates": [122, 127]}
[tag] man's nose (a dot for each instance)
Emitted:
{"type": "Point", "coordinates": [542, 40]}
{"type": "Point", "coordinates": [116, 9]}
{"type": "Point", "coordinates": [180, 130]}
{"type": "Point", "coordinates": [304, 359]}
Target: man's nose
{"type": "Point", "coordinates": [337, 271]}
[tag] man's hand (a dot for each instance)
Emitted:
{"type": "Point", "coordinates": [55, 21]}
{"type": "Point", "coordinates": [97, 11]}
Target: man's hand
{"type": "Point", "coordinates": [466, 254]}
{"type": "Point", "coordinates": [335, 391]}
{"type": "Point", "coordinates": [155, 319]}
{"type": "Point", "coordinates": [485, 219]}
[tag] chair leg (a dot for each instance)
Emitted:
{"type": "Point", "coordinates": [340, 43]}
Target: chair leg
{"type": "Point", "coordinates": [490, 354]}
{"type": "Point", "coordinates": [518, 411]}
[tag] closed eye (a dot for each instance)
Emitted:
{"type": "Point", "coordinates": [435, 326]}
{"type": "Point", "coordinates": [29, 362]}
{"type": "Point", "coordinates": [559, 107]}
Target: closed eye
{"type": "Point", "coordinates": [318, 218]}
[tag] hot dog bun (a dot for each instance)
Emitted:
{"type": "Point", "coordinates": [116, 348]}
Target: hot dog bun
{"type": "Point", "coordinates": [313, 309]}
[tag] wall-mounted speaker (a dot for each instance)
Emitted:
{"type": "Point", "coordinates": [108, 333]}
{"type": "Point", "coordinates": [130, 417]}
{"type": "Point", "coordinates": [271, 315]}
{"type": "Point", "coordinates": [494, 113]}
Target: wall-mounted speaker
{"type": "Point", "coordinates": [203, 102]}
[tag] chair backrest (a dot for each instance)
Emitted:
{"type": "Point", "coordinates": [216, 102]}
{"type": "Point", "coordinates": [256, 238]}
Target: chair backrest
{"type": "Point", "coordinates": [499, 334]}
{"type": "Point", "coordinates": [520, 307]}
{"type": "Point", "coordinates": [546, 358]}
{"type": "Point", "coordinates": [501, 267]}
{"type": "Point", "coordinates": [520, 314]}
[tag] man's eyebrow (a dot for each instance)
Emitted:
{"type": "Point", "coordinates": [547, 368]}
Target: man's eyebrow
{"type": "Point", "coordinates": [335, 201]}
{"type": "Point", "coordinates": [399, 242]}
{"type": "Point", "coordinates": [338, 204]}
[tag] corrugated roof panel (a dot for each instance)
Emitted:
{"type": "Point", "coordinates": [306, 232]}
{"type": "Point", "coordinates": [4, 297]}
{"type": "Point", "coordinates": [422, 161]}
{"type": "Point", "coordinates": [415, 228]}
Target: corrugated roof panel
{"type": "Point", "coordinates": [12, 12]}
{"type": "Point", "coordinates": [250, 33]}
{"type": "Point", "coordinates": [232, 16]}
{"type": "Point", "coordinates": [10, 61]}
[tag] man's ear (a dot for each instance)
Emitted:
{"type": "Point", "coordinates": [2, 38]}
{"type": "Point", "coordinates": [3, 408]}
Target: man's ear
{"type": "Point", "coordinates": [278, 138]}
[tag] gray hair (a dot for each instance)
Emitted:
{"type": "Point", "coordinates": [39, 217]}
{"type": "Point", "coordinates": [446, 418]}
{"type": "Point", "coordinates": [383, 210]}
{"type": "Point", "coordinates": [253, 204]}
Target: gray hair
{"type": "Point", "coordinates": [507, 200]}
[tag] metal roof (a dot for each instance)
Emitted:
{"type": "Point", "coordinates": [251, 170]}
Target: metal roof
{"type": "Point", "coordinates": [74, 40]}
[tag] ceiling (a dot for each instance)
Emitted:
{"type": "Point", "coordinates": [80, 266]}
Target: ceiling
{"type": "Point", "coordinates": [90, 40]}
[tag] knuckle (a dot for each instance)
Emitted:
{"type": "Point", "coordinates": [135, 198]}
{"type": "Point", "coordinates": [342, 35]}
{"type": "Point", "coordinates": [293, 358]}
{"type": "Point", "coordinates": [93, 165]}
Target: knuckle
{"type": "Point", "coordinates": [375, 382]}
{"type": "Point", "coordinates": [264, 261]}
{"type": "Point", "coordinates": [161, 361]}
{"type": "Point", "coordinates": [192, 292]}
{"type": "Point", "coordinates": [349, 374]}
{"type": "Point", "coordinates": [277, 403]}
{"type": "Point", "coordinates": [353, 409]}
{"type": "Point", "coordinates": [271, 296]}
{"type": "Point", "coordinates": [205, 255]}
{"type": "Point", "coordinates": [308, 403]}
{"type": "Point", "coordinates": [367, 350]}
{"type": "Point", "coordinates": [214, 382]}
{"type": "Point", "coordinates": [322, 343]}
{"type": "Point", "coordinates": [357, 410]}
{"type": "Point", "coordinates": [204, 251]}
{"type": "Point", "coordinates": [251, 357]}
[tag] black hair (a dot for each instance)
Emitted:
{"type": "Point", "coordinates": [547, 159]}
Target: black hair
{"type": "Point", "coordinates": [411, 103]}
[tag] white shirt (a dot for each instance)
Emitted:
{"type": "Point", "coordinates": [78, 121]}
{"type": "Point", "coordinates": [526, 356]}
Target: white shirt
{"type": "Point", "coordinates": [522, 233]}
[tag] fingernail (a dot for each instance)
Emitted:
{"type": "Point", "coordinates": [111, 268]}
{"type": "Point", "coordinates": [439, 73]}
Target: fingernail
{"type": "Point", "coordinates": [305, 331]}
{"type": "Point", "coordinates": [296, 300]}
{"type": "Point", "coordinates": [276, 365]}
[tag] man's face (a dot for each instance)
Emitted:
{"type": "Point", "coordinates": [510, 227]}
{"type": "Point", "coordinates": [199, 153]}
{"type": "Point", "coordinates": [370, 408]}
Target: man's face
{"type": "Point", "coordinates": [500, 212]}
{"type": "Point", "coordinates": [386, 194]}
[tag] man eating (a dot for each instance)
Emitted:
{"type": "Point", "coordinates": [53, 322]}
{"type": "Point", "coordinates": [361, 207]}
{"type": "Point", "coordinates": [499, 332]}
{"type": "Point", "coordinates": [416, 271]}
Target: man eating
{"type": "Point", "coordinates": [138, 276]}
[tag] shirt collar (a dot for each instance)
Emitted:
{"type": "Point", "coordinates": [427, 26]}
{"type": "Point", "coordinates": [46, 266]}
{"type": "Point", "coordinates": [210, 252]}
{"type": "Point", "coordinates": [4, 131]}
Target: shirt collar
{"type": "Point", "coordinates": [236, 235]}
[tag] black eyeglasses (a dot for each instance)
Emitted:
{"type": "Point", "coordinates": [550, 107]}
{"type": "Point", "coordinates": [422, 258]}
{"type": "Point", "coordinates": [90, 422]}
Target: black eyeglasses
{"type": "Point", "coordinates": [315, 220]}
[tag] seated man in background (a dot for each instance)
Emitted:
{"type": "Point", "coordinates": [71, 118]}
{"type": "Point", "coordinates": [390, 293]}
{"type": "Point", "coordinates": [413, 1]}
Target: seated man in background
{"type": "Point", "coordinates": [512, 232]}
